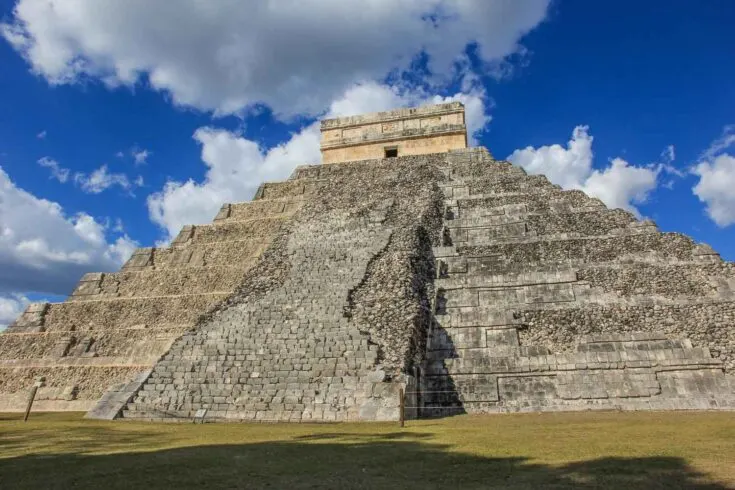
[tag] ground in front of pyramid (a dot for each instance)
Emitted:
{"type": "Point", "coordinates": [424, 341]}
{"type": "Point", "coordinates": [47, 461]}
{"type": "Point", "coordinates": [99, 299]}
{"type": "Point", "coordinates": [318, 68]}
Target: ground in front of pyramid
{"type": "Point", "coordinates": [406, 274]}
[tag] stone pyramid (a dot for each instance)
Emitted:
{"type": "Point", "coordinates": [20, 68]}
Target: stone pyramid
{"type": "Point", "coordinates": [406, 262]}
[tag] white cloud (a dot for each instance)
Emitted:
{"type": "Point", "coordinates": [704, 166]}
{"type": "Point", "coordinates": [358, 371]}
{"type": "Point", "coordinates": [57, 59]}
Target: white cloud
{"type": "Point", "coordinates": [725, 141]}
{"type": "Point", "coordinates": [10, 307]}
{"type": "Point", "coordinates": [57, 171]}
{"type": "Point", "coordinates": [293, 56]}
{"type": "Point", "coordinates": [569, 167]}
{"type": "Point", "coordinates": [140, 157]}
{"type": "Point", "coordinates": [42, 249]}
{"type": "Point", "coordinates": [42, 135]}
{"type": "Point", "coordinates": [94, 183]}
{"type": "Point", "coordinates": [237, 166]}
{"type": "Point", "coordinates": [669, 154]}
{"type": "Point", "coordinates": [101, 179]}
{"type": "Point", "coordinates": [716, 188]}
{"type": "Point", "coordinates": [716, 172]}
{"type": "Point", "coordinates": [619, 185]}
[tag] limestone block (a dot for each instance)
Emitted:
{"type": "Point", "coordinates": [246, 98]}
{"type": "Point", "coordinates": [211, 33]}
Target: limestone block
{"type": "Point", "coordinates": [31, 320]}
{"type": "Point", "coordinates": [478, 388]}
{"type": "Point", "coordinates": [500, 297]}
{"type": "Point", "coordinates": [607, 384]}
{"type": "Point", "coordinates": [527, 388]}
{"type": "Point", "coordinates": [690, 383]}
{"type": "Point", "coordinates": [141, 258]}
{"type": "Point", "coordinates": [224, 212]}
{"type": "Point", "coordinates": [505, 337]}
{"type": "Point", "coordinates": [547, 293]}
{"type": "Point", "coordinates": [471, 317]}
{"type": "Point", "coordinates": [186, 234]}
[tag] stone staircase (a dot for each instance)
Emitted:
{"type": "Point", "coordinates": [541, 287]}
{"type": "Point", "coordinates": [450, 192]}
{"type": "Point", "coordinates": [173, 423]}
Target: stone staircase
{"type": "Point", "coordinates": [301, 349]}
{"type": "Point", "coordinates": [547, 300]}
{"type": "Point", "coordinates": [290, 356]}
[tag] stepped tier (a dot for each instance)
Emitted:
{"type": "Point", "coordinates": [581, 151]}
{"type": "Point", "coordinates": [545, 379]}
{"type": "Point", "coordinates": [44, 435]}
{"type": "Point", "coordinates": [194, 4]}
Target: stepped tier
{"type": "Point", "coordinates": [546, 300]}
{"type": "Point", "coordinates": [115, 326]}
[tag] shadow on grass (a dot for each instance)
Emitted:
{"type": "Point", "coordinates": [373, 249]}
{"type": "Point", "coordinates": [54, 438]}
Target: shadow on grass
{"type": "Point", "coordinates": [336, 460]}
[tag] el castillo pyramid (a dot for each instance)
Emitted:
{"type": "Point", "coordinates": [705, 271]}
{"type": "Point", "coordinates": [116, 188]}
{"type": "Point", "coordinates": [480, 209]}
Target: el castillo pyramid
{"type": "Point", "coordinates": [406, 261]}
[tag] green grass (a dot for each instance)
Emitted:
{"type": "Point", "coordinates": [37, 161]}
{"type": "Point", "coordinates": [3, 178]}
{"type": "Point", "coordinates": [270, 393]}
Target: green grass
{"type": "Point", "coordinates": [568, 450]}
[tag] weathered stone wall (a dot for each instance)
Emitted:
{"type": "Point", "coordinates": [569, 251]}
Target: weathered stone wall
{"type": "Point", "coordinates": [546, 300]}
{"type": "Point", "coordinates": [592, 249]}
{"type": "Point", "coordinates": [678, 280]}
{"type": "Point", "coordinates": [420, 143]}
{"type": "Point", "coordinates": [705, 324]}
{"type": "Point", "coordinates": [429, 129]}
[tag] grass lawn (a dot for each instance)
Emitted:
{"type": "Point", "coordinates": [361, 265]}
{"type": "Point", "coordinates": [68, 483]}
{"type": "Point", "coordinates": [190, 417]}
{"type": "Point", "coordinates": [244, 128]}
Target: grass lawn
{"type": "Point", "coordinates": [568, 450]}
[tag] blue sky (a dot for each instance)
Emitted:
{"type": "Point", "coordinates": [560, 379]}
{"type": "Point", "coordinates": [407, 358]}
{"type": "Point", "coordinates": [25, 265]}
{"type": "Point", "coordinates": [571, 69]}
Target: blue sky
{"type": "Point", "coordinates": [121, 120]}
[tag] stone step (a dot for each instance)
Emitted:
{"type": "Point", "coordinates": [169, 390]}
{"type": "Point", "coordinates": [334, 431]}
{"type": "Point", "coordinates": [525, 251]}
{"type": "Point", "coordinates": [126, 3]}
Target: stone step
{"type": "Point", "coordinates": [536, 202]}
{"type": "Point", "coordinates": [124, 312]}
{"type": "Point", "coordinates": [645, 247]}
{"type": "Point", "coordinates": [158, 282]}
{"type": "Point", "coordinates": [134, 343]}
{"type": "Point", "coordinates": [263, 208]}
{"type": "Point", "coordinates": [225, 231]}
{"type": "Point", "coordinates": [237, 253]}
{"type": "Point", "coordinates": [478, 231]}
{"type": "Point", "coordinates": [480, 361]}
{"type": "Point", "coordinates": [63, 385]}
{"type": "Point", "coordinates": [286, 189]}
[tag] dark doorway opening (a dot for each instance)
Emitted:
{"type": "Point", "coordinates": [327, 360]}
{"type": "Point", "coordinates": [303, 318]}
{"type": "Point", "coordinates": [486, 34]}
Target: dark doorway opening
{"type": "Point", "coordinates": [391, 152]}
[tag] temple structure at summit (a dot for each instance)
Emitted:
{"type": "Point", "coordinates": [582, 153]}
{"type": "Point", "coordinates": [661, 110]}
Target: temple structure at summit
{"type": "Point", "coordinates": [405, 263]}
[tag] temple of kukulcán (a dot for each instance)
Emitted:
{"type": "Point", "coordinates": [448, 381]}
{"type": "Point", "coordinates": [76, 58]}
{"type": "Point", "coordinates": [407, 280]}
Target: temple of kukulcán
{"type": "Point", "coordinates": [405, 262]}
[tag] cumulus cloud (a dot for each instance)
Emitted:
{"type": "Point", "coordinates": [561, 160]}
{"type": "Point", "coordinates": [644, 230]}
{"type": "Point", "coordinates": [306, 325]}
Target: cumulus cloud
{"type": "Point", "coordinates": [619, 185]}
{"type": "Point", "coordinates": [716, 172]}
{"type": "Point", "coordinates": [716, 188]}
{"type": "Point", "coordinates": [293, 56]}
{"type": "Point", "coordinates": [42, 135]}
{"type": "Point", "coordinates": [42, 249]}
{"type": "Point", "coordinates": [57, 171]}
{"type": "Point", "coordinates": [10, 307]}
{"type": "Point", "coordinates": [236, 166]}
